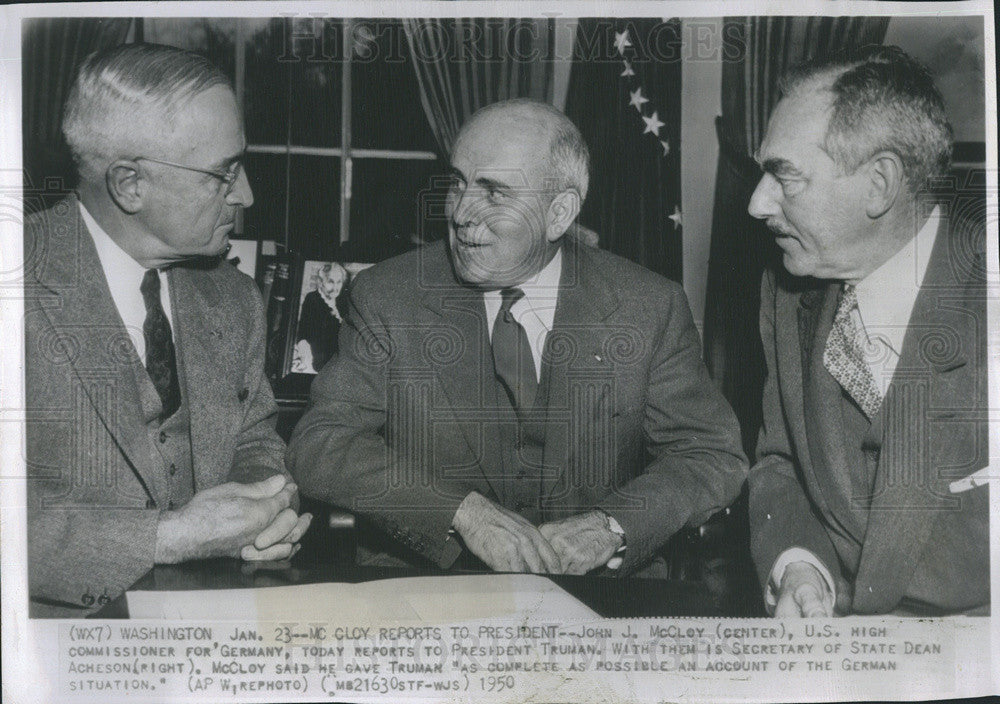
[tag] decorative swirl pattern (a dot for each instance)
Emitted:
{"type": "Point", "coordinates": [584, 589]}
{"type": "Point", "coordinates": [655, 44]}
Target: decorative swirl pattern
{"type": "Point", "coordinates": [965, 253]}
{"type": "Point", "coordinates": [874, 350]}
{"type": "Point", "coordinates": [59, 346]}
{"type": "Point", "coordinates": [625, 346]}
{"type": "Point", "coordinates": [939, 345]}
{"type": "Point", "coordinates": [373, 349]}
{"type": "Point", "coordinates": [120, 348]}
{"type": "Point", "coordinates": [443, 346]}
{"type": "Point", "coordinates": [560, 348]}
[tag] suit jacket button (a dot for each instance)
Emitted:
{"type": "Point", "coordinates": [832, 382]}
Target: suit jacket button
{"type": "Point", "coordinates": [163, 436]}
{"type": "Point", "coordinates": [173, 469]}
{"type": "Point", "coordinates": [170, 505]}
{"type": "Point", "coordinates": [243, 394]}
{"type": "Point", "coordinates": [150, 503]}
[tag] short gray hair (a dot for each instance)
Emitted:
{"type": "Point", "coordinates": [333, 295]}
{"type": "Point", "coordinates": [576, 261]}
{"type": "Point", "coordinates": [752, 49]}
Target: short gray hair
{"type": "Point", "coordinates": [882, 99]}
{"type": "Point", "coordinates": [126, 94]}
{"type": "Point", "coordinates": [569, 157]}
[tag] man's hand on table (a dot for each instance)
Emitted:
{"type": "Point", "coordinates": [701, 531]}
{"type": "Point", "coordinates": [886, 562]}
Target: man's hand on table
{"type": "Point", "coordinates": [503, 539]}
{"type": "Point", "coordinates": [583, 542]}
{"type": "Point", "coordinates": [253, 520]}
{"type": "Point", "coordinates": [803, 593]}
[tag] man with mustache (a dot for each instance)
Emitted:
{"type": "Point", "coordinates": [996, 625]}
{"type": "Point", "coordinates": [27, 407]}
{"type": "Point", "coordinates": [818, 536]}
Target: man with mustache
{"type": "Point", "coordinates": [150, 424]}
{"type": "Point", "coordinates": [510, 397]}
{"type": "Point", "coordinates": [868, 495]}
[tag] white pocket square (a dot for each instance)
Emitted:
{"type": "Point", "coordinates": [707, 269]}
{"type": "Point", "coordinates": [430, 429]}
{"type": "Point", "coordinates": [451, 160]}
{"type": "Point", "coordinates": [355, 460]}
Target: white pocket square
{"type": "Point", "coordinates": [975, 479]}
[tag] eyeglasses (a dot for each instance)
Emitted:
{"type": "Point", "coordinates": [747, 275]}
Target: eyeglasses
{"type": "Point", "coordinates": [228, 176]}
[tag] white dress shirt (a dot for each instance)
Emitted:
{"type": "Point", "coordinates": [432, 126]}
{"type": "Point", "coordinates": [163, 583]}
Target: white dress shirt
{"type": "Point", "coordinates": [885, 303]}
{"type": "Point", "coordinates": [535, 311]}
{"type": "Point", "coordinates": [124, 276]}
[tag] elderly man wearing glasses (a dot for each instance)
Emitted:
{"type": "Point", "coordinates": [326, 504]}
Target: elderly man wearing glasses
{"type": "Point", "coordinates": [150, 433]}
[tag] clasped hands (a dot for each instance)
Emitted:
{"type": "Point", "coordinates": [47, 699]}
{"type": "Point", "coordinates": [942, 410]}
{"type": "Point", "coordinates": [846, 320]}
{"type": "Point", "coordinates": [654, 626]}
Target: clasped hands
{"type": "Point", "coordinates": [254, 521]}
{"type": "Point", "coordinates": [803, 592]}
{"type": "Point", "coordinates": [507, 542]}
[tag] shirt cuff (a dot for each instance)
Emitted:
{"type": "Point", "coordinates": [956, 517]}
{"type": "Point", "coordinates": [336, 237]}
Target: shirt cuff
{"type": "Point", "coordinates": [615, 527]}
{"type": "Point", "coordinates": [778, 572]}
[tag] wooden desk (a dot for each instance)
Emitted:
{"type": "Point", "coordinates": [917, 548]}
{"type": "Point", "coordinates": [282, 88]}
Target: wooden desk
{"type": "Point", "coordinates": [610, 597]}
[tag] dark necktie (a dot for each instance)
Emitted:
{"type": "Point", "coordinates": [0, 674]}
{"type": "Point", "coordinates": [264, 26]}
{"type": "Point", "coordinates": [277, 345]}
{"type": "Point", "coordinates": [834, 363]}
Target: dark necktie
{"type": "Point", "coordinates": [515, 367]}
{"type": "Point", "coordinates": [161, 361]}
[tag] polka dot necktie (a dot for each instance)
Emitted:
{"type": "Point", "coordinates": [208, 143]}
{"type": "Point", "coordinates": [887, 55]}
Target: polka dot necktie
{"type": "Point", "coordinates": [161, 359]}
{"type": "Point", "coordinates": [844, 355]}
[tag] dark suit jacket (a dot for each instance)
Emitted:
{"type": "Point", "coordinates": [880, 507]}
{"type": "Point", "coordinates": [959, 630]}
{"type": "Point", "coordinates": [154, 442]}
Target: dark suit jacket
{"type": "Point", "coordinates": [94, 490]}
{"type": "Point", "coordinates": [400, 427]}
{"type": "Point", "coordinates": [925, 549]}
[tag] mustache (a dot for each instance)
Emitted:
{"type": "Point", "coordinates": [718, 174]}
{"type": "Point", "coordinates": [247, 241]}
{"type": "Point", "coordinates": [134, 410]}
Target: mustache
{"type": "Point", "coordinates": [779, 228]}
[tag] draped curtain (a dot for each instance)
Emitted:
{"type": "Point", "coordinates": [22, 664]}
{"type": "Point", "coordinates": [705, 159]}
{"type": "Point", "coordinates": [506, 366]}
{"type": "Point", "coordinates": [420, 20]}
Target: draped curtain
{"type": "Point", "coordinates": [624, 95]}
{"type": "Point", "coordinates": [742, 246]}
{"type": "Point", "coordinates": [463, 64]}
{"type": "Point", "coordinates": [52, 48]}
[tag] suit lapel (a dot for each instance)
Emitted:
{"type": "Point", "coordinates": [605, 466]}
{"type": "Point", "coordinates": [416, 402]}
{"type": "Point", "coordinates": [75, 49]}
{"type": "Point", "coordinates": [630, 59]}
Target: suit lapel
{"type": "Point", "coordinates": [910, 490]}
{"type": "Point", "coordinates": [455, 316]}
{"type": "Point", "coordinates": [823, 419]}
{"type": "Point", "coordinates": [575, 344]}
{"type": "Point", "coordinates": [107, 365]}
{"type": "Point", "coordinates": [201, 351]}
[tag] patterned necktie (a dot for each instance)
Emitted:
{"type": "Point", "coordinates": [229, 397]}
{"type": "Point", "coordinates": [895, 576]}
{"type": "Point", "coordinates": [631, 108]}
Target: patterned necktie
{"type": "Point", "coordinates": [844, 355]}
{"type": "Point", "coordinates": [161, 361]}
{"type": "Point", "coordinates": [515, 367]}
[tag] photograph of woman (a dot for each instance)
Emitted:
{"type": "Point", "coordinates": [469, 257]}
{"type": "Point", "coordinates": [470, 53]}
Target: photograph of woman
{"type": "Point", "coordinates": [319, 316]}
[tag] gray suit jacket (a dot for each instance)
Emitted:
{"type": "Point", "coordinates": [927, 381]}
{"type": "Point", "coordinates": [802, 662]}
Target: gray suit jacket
{"type": "Point", "coordinates": [925, 549]}
{"type": "Point", "coordinates": [401, 428]}
{"type": "Point", "coordinates": [95, 492]}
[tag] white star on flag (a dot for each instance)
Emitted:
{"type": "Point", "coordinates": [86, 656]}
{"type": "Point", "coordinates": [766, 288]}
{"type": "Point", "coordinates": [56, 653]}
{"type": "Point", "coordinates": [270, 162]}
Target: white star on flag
{"type": "Point", "coordinates": [676, 217]}
{"type": "Point", "coordinates": [653, 124]}
{"type": "Point", "coordinates": [628, 69]}
{"type": "Point", "coordinates": [621, 41]}
{"type": "Point", "coordinates": [637, 99]}
{"type": "Point", "coordinates": [666, 147]}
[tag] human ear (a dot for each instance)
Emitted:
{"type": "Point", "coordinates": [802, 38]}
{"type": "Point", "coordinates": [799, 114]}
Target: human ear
{"type": "Point", "coordinates": [885, 174]}
{"type": "Point", "coordinates": [562, 212]}
{"type": "Point", "coordinates": [125, 186]}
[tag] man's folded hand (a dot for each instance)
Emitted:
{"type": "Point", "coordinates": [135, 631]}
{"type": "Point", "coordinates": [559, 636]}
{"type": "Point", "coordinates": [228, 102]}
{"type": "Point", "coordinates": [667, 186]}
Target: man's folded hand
{"type": "Point", "coordinates": [502, 539]}
{"type": "Point", "coordinates": [583, 542]}
{"type": "Point", "coordinates": [222, 520]}
{"type": "Point", "coordinates": [803, 593]}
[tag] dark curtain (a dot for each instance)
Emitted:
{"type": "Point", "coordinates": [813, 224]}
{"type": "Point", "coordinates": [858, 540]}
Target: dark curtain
{"type": "Point", "coordinates": [51, 49]}
{"type": "Point", "coordinates": [624, 95]}
{"type": "Point", "coordinates": [764, 48]}
{"type": "Point", "coordinates": [463, 64]}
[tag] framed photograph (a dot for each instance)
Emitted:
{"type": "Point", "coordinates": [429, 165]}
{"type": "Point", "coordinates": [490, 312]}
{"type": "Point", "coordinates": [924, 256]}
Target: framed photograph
{"type": "Point", "coordinates": [320, 313]}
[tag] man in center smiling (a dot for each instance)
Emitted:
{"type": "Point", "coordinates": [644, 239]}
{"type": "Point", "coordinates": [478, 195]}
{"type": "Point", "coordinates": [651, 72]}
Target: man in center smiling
{"type": "Point", "coordinates": [510, 396]}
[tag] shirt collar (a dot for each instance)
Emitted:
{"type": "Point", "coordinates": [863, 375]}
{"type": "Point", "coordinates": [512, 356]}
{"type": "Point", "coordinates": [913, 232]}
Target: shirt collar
{"type": "Point", "coordinates": [887, 295]}
{"type": "Point", "coordinates": [113, 257]}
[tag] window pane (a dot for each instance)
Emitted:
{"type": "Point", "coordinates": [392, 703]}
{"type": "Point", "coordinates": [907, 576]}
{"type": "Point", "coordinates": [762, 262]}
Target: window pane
{"type": "Point", "coordinates": [386, 206]}
{"type": "Point", "coordinates": [293, 80]}
{"type": "Point", "coordinates": [314, 207]}
{"type": "Point", "coordinates": [386, 109]}
{"type": "Point", "coordinates": [315, 77]}
{"type": "Point", "coordinates": [266, 84]}
{"type": "Point", "coordinates": [265, 219]}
